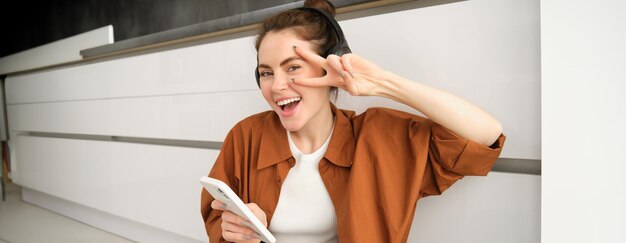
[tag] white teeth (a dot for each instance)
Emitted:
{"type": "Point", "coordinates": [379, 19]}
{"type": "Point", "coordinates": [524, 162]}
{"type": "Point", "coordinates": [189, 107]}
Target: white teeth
{"type": "Point", "coordinates": [287, 101]}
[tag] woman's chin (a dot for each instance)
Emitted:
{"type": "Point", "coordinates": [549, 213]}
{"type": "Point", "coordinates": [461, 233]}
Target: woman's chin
{"type": "Point", "coordinates": [291, 126]}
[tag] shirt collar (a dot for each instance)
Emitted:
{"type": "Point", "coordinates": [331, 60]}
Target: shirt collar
{"type": "Point", "coordinates": [274, 147]}
{"type": "Point", "coordinates": [343, 142]}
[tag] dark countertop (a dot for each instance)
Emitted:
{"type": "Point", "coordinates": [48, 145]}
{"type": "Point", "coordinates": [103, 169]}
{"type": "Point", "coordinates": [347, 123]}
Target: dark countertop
{"type": "Point", "coordinates": [217, 25]}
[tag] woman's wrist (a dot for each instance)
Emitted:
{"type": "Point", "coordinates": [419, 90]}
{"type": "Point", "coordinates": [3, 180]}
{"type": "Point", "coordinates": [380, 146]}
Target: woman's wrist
{"type": "Point", "coordinates": [391, 86]}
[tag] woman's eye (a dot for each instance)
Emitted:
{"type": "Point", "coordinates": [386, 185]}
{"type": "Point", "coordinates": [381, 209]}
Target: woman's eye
{"type": "Point", "coordinates": [265, 73]}
{"type": "Point", "coordinates": [293, 68]}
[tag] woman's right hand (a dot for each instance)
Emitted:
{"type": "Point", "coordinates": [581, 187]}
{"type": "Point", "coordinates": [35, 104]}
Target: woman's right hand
{"type": "Point", "coordinates": [238, 229]}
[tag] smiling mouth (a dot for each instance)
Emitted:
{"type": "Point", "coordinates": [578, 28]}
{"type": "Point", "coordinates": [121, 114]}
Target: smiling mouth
{"type": "Point", "coordinates": [289, 104]}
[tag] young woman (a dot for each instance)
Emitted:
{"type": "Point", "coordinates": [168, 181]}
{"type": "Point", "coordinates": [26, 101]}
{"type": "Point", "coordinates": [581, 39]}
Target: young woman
{"type": "Point", "coordinates": [315, 173]}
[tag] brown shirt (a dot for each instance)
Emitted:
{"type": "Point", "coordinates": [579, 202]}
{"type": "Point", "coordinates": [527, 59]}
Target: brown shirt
{"type": "Point", "coordinates": [378, 164]}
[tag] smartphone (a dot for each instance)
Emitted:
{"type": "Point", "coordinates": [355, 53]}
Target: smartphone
{"type": "Point", "coordinates": [222, 192]}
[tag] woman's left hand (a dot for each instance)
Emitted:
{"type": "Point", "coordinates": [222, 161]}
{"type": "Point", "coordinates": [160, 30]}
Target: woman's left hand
{"type": "Point", "coordinates": [349, 72]}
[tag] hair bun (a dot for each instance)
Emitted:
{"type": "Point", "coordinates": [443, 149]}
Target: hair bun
{"type": "Point", "coordinates": [323, 5]}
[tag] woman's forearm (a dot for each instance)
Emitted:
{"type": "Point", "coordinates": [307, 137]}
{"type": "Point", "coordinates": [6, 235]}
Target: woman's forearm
{"type": "Point", "coordinates": [450, 111]}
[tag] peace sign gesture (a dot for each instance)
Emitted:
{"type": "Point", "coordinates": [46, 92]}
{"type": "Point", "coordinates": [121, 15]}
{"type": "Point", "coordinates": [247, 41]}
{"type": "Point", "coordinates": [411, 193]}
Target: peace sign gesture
{"type": "Point", "coordinates": [349, 72]}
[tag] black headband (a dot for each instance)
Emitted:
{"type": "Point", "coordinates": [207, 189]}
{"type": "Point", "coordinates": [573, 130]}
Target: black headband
{"type": "Point", "coordinates": [339, 49]}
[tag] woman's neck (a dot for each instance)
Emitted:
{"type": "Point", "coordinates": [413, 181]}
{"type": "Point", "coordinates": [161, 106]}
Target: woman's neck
{"type": "Point", "coordinates": [313, 134]}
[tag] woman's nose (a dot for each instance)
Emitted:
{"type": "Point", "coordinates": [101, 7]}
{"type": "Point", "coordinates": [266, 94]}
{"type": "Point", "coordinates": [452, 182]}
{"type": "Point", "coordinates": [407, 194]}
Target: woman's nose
{"type": "Point", "coordinates": [281, 82]}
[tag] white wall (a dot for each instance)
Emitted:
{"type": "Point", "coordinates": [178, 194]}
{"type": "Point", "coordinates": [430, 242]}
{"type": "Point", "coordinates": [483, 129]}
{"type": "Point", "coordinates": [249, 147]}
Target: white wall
{"type": "Point", "coordinates": [583, 116]}
{"type": "Point", "coordinates": [486, 51]}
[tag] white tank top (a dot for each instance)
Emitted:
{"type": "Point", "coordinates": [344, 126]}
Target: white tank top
{"type": "Point", "coordinates": [305, 212]}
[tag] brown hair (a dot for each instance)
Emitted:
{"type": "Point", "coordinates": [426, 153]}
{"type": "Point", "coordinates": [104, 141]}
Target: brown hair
{"type": "Point", "coordinates": [307, 25]}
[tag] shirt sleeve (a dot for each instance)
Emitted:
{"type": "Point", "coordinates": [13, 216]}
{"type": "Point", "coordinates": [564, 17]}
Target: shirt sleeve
{"type": "Point", "coordinates": [417, 156]}
{"type": "Point", "coordinates": [451, 157]}
{"type": "Point", "coordinates": [224, 170]}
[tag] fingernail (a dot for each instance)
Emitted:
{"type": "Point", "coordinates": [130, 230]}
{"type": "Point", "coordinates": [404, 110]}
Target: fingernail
{"type": "Point", "coordinates": [223, 206]}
